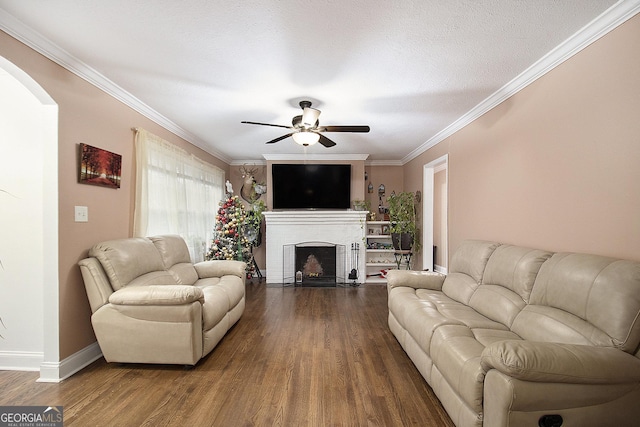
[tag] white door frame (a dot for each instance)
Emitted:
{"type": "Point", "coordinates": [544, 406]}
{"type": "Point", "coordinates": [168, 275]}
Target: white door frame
{"type": "Point", "coordinates": [427, 209]}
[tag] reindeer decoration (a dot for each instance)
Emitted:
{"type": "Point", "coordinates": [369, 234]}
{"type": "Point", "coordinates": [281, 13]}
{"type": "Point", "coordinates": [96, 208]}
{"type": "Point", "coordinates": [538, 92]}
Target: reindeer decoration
{"type": "Point", "coordinates": [251, 191]}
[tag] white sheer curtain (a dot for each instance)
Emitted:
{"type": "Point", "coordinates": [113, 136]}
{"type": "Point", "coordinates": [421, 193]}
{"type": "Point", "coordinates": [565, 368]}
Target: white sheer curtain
{"type": "Point", "coordinates": [176, 193]}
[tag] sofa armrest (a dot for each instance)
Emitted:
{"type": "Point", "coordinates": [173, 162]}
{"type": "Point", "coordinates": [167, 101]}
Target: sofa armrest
{"type": "Point", "coordinates": [561, 363]}
{"type": "Point", "coordinates": [157, 295]}
{"type": "Point", "coordinates": [219, 268]}
{"type": "Point", "coordinates": [415, 279]}
{"type": "Point", "coordinates": [96, 283]}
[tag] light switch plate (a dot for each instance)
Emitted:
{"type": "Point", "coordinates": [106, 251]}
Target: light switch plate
{"type": "Point", "coordinates": [82, 214]}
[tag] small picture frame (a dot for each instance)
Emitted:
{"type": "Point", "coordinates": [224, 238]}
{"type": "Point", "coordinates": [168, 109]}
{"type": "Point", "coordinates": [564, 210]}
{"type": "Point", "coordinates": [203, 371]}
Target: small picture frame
{"type": "Point", "coordinates": [385, 229]}
{"type": "Point", "coordinates": [99, 167]}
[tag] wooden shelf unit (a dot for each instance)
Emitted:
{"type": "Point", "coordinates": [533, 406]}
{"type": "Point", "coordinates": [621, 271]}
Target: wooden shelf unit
{"type": "Point", "coordinates": [379, 250]}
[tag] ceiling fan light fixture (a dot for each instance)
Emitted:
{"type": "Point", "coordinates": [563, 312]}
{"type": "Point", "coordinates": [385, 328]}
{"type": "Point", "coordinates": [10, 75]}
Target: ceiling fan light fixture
{"type": "Point", "coordinates": [305, 138]}
{"type": "Point", "coordinates": [310, 117]}
{"type": "Point", "coordinates": [305, 128]}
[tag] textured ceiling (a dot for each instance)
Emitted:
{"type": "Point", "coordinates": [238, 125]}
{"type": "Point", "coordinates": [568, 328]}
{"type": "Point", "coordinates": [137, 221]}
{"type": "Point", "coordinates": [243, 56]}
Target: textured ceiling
{"type": "Point", "coordinates": [408, 69]}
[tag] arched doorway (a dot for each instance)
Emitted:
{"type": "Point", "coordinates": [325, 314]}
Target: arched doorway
{"type": "Point", "coordinates": [28, 223]}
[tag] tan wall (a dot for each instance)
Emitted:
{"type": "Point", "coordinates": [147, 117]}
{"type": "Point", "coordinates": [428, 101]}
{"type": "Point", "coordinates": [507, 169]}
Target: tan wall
{"type": "Point", "coordinates": [87, 115]}
{"type": "Point", "coordinates": [390, 176]}
{"type": "Point", "coordinates": [413, 178]}
{"type": "Point", "coordinates": [556, 165]}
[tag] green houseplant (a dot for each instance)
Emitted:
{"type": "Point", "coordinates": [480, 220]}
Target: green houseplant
{"type": "Point", "coordinates": [402, 215]}
{"type": "Point", "coordinates": [361, 205]}
{"type": "Point", "coordinates": [252, 222]}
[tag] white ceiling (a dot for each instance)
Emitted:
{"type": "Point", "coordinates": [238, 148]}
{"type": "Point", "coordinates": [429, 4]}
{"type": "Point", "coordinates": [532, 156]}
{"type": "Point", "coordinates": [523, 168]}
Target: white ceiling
{"type": "Point", "coordinates": [410, 69]}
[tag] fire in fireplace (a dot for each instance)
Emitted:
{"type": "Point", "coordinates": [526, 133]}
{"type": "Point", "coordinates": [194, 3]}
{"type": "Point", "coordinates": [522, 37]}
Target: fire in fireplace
{"type": "Point", "coordinates": [314, 264]}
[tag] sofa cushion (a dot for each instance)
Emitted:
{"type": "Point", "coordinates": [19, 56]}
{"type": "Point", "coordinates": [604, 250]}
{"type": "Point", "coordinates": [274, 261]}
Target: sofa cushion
{"type": "Point", "coordinates": [487, 337]}
{"type": "Point", "coordinates": [421, 317]}
{"type": "Point", "coordinates": [124, 260]}
{"type": "Point", "coordinates": [215, 307]}
{"type": "Point", "coordinates": [466, 269]}
{"type": "Point", "coordinates": [162, 277]}
{"type": "Point", "coordinates": [507, 282]}
{"type": "Point", "coordinates": [184, 273]}
{"type": "Point", "coordinates": [233, 286]}
{"type": "Point", "coordinates": [584, 299]}
{"type": "Point", "coordinates": [221, 294]}
{"type": "Point", "coordinates": [456, 354]}
{"type": "Point", "coordinates": [422, 311]}
{"type": "Point", "coordinates": [172, 249]}
{"type": "Point", "coordinates": [515, 268]}
{"type": "Point", "coordinates": [176, 258]}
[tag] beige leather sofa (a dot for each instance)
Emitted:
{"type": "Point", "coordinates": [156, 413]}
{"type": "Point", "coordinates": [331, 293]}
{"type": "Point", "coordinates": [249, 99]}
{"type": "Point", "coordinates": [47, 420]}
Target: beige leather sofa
{"type": "Point", "coordinates": [150, 304]}
{"type": "Point", "coordinates": [514, 336]}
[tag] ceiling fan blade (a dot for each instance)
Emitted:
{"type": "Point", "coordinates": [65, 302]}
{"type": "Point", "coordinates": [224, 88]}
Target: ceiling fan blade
{"type": "Point", "coordinates": [266, 124]}
{"type": "Point", "coordinates": [361, 129]}
{"type": "Point", "coordinates": [280, 138]}
{"type": "Point", "coordinates": [326, 141]}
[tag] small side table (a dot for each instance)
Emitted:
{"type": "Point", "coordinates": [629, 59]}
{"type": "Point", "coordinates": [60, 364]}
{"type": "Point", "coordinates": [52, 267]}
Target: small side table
{"type": "Point", "coordinates": [403, 255]}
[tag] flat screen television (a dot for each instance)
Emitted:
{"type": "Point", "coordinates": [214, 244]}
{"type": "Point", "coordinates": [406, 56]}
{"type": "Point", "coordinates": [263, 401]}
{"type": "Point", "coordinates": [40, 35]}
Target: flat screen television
{"type": "Point", "coordinates": [311, 186]}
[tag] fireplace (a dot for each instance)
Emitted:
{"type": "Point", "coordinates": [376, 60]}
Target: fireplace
{"type": "Point", "coordinates": [314, 264]}
{"type": "Point", "coordinates": [287, 229]}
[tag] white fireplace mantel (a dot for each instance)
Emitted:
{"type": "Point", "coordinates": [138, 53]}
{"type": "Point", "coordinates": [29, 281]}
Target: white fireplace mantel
{"type": "Point", "coordinates": [294, 227]}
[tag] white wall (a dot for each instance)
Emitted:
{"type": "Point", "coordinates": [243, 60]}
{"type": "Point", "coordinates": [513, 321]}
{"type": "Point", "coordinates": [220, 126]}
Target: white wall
{"type": "Point", "coordinates": [22, 171]}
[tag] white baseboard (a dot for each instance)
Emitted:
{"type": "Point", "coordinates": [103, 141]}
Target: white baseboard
{"type": "Point", "coordinates": [20, 360]}
{"type": "Point", "coordinates": [54, 372]}
{"type": "Point", "coordinates": [440, 269]}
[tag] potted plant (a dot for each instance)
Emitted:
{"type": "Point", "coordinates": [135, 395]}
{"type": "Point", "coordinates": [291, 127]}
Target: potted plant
{"type": "Point", "coordinates": [361, 205]}
{"type": "Point", "coordinates": [402, 215]}
{"type": "Point", "coordinates": [252, 222]}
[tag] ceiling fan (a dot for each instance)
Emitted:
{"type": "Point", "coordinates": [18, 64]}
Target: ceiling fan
{"type": "Point", "coordinates": [305, 128]}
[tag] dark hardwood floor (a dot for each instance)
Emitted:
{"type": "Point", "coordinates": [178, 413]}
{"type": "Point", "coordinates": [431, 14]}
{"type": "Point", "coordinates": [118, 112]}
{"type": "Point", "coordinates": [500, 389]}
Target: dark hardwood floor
{"type": "Point", "coordinates": [297, 357]}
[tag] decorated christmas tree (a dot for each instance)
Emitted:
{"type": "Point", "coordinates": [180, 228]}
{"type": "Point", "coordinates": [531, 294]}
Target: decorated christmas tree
{"type": "Point", "coordinates": [229, 241]}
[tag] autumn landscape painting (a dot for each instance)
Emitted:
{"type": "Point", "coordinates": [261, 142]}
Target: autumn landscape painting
{"type": "Point", "coordinates": [99, 167]}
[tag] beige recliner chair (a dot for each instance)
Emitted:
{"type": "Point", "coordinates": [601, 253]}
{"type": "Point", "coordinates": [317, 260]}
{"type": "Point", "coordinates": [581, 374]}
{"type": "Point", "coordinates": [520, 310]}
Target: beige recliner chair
{"type": "Point", "coordinates": [150, 304]}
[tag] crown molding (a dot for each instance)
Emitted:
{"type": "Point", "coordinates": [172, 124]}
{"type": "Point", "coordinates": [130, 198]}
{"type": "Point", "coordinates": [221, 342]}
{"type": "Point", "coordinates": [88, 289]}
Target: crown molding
{"type": "Point", "coordinates": [36, 41]}
{"type": "Point", "coordinates": [303, 157]}
{"type": "Point", "coordinates": [251, 162]}
{"type": "Point", "coordinates": [383, 163]}
{"type": "Point", "coordinates": [254, 162]}
{"type": "Point", "coordinates": [616, 15]}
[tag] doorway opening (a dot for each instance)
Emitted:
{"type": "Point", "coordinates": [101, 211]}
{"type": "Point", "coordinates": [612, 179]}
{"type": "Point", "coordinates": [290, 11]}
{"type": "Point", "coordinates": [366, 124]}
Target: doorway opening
{"type": "Point", "coordinates": [435, 209]}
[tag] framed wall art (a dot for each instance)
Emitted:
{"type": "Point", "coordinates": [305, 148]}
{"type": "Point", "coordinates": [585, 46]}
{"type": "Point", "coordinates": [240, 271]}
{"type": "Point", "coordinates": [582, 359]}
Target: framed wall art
{"type": "Point", "coordinates": [99, 167]}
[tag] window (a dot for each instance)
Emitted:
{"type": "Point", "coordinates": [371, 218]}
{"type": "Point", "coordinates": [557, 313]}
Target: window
{"type": "Point", "coordinates": [176, 193]}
